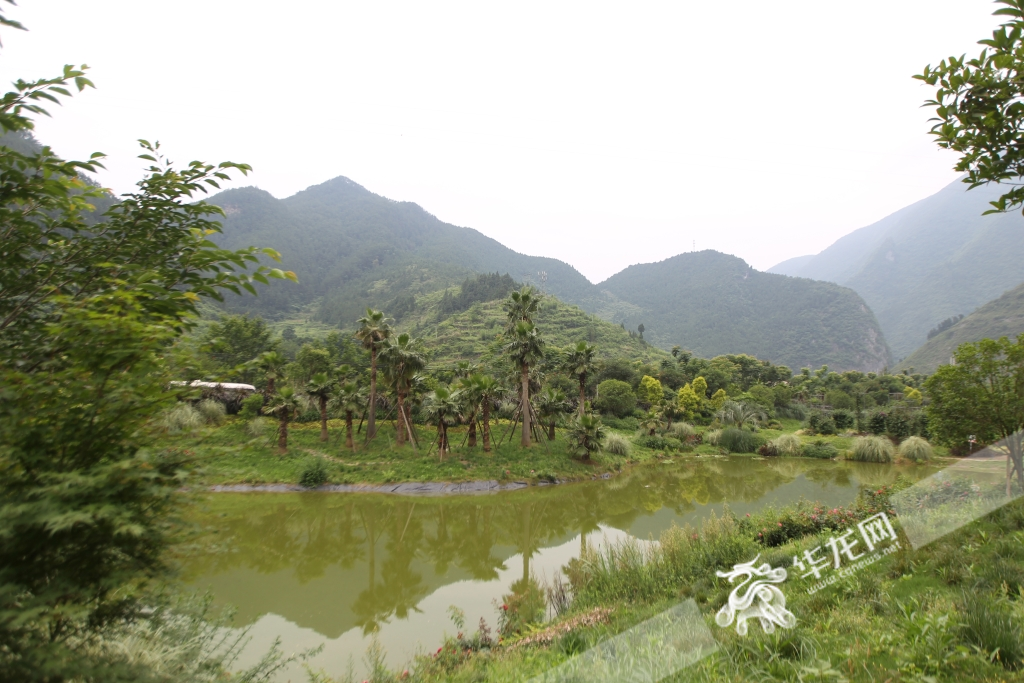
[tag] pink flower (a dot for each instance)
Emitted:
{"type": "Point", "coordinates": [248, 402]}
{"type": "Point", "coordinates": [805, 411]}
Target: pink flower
{"type": "Point", "coordinates": [748, 514]}
{"type": "Point", "coordinates": [780, 524]}
{"type": "Point", "coordinates": [504, 607]}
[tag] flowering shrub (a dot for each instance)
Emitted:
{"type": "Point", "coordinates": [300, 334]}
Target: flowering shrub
{"type": "Point", "coordinates": [525, 605]}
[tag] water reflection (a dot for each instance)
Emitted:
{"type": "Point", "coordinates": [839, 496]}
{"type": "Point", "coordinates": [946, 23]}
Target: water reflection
{"type": "Point", "coordinates": [336, 562]}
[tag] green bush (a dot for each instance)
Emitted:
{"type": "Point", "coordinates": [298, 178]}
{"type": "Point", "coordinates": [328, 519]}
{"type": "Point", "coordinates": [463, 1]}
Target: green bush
{"type": "Point", "coordinates": [768, 450]}
{"type": "Point", "coordinates": [682, 430]}
{"type": "Point", "coordinates": [213, 412]}
{"type": "Point", "coordinates": [657, 443]}
{"type": "Point", "coordinates": [819, 449]}
{"type": "Point", "coordinates": [876, 425]}
{"type": "Point", "coordinates": [821, 423]}
{"type": "Point", "coordinates": [315, 474]}
{"type": "Point", "coordinates": [844, 419]}
{"type": "Point", "coordinates": [259, 427]}
{"type": "Point", "coordinates": [616, 444]}
{"type": "Point", "coordinates": [916, 449]}
{"type": "Point", "coordinates": [897, 425]}
{"type": "Point", "coordinates": [626, 424]}
{"type": "Point", "coordinates": [787, 444]}
{"type": "Point", "coordinates": [793, 411]}
{"type": "Point", "coordinates": [182, 418]}
{"type": "Point", "coordinates": [739, 440]}
{"type": "Point", "coordinates": [251, 406]}
{"type": "Point", "coordinates": [615, 397]}
{"type": "Point", "coordinates": [872, 449]}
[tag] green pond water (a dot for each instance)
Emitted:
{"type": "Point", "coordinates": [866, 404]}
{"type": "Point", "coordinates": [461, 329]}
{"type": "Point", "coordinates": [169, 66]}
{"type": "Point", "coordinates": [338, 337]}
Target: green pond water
{"type": "Point", "coordinates": [334, 568]}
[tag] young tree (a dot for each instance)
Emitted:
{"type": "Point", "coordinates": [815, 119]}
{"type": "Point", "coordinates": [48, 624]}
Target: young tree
{"type": "Point", "coordinates": [319, 388]}
{"type": "Point", "coordinates": [442, 408]}
{"type": "Point", "coordinates": [469, 392]}
{"type": "Point", "coordinates": [586, 435]}
{"type": "Point", "coordinates": [525, 347]}
{"type": "Point", "coordinates": [521, 306]}
{"type": "Point", "coordinates": [402, 361]}
{"type": "Point", "coordinates": [580, 363]}
{"type": "Point", "coordinates": [271, 364]}
{"type": "Point", "coordinates": [978, 108]}
{"type": "Point", "coordinates": [981, 394]}
{"type": "Point", "coordinates": [649, 391]}
{"type": "Point", "coordinates": [550, 404]}
{"type": "Point", "coordinates": [284, 405]}
{"type": "Point", "coordinates": [347, 401]}
{"type": "Point", "coordinates": [373, 329]}
{"type": "Point", "coordinates": [687, 400]}
{"type": "Point", "coordinates": [488, 390]}
{"type": "Point", "coordinates": [237, 339]}
{"type": "Point", "coordinates": [87, 311]}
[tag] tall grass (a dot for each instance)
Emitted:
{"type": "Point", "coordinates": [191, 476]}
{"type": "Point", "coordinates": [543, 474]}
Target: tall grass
{"type": "Point", "coordinates": [739, 440]}
{"type": "Point", "coordinates": [712, 436]}
{"type": "Point", "coordinates": [213, 412]}
{"type": "Point", "coordinates": [916, 449]}
{"type": "Point", "coordinates": [787, 444]}
{"type": "Point", "coordinates": [682, 430]}
{"type": "Point", "coordinates": [872, 449]}
{"type": "Point", "coordinates": [991, 627]}
{"type": "Point", "coordinates": [182, 418]}
{"type": "Point", "coordinates": [616, 444]}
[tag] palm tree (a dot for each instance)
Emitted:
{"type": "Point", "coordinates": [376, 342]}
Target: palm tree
{"type": "Point", "coordinates": [373, 329]}
{"type": "Point", "coordinates": [271, 364]}
{"type": "Point", "coordinates": [442, 408]}
{"type": "Point", "coordinates": [319, 388]}
{"type": "Point", "coordinates": [347, 401]}
{"type": "Point", "coordinates": [579, 363]}
{"type": "Point", "coordinates": [586, 435]}
{"type": "Point", "coordinates": [740, 414]}
{"type": "Point", "coordinates": [487, 390]}
{"type": "Point", "coordinates": [550, 404]}
{"type": "Point", "coordinates": [652, 422]}
{"type": "Point", "coordinates": [469, 392]}
{"type": "Point", "coordinates": [402, 360]}
{"type": "Point", "coordinates": [285, 405]}
{"type": "Point", "coordinates": [525, 347]}
{"type": "Point", "coordinates": [521, 306]}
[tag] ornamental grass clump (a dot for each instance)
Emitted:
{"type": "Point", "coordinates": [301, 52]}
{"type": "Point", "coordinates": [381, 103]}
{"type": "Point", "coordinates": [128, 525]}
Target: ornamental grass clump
{"type": "Point", "coordinates": [872, 449]}
{"type": "Point", "coordinates": [182, 418]}
{"type": "Point", "coordinates": [682, 430]}
{"type": "Point", "coordinates": [916, 449]}
{"type": "Point", "coordinates": [616, 444]}
{"type": "Point", "coordinates": [739, 440]}
{"type": "Point", "coordinates": [213, 412]}
{"type": "Point", "coordinates": [787, 444]}
{"type": "Point", "coordinates": [314, 475]}
{"type": "Point", "coordinates": [712, 436]}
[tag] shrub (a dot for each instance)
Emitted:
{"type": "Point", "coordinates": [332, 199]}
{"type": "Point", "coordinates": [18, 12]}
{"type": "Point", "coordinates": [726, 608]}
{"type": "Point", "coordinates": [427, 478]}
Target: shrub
{"type": "Point", "coordinates": [876, 425]}
{"type": "Point", "coordinates": [182, 418]}
{"type": "Point", "coordinates": [251, 406]}
{"type": "Point", "coordinates": [843, 419]}
{"type": "Point", "coordinates": [615, 397]}
{"type": "Point", "coordinates": [897, 425]}
{"type": "Point", "coordinates": [626, 424]}
{"type": "Point", "coordinates": [787, 444]}
{"type": "Point", "coordinates": [683, 430]}
{"type": "Point", "coordinates": [739, 440]}
{"type": "Point", "coordinates": [712, 436]}
{"type": "Point", "coordinates": [315, 474]}
{"type": "Point", "coordinates": [258, 427]}
{"type": "Point", "coordinates": [916, 449]}
{"type": "Point", "coordinates": [819, 449]}
{"type": "Point", "coordinates": [616, 444]}
{"type": "Point", "coordinates": [213, 412]}
{"type": "Point", "coordinates": [768, 450]}
{"type": "Point", "coordinates": [872, 449]}
{"type": "Point", "coordinates": [657, 443]}
{"type": "Point", "coordinates": [794, 411]}
{"type": "Point", "coordinates": [821, 423]}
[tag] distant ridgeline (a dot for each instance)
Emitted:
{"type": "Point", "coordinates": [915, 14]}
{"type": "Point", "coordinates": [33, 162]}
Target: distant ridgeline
{"type": "Point", "coordinates": [352, 249]}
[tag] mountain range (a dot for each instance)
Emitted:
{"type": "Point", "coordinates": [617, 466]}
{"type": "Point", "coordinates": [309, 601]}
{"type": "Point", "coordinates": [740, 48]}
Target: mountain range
{"type": "Point", "coordinates": [352, 248]}
{"type": "Point", "coordinates": [936, 258]}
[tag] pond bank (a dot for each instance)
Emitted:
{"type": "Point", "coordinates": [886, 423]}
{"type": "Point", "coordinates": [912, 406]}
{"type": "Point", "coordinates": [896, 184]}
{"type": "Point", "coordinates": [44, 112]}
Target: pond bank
{"type": "Point", "coordinates": [408, 488]}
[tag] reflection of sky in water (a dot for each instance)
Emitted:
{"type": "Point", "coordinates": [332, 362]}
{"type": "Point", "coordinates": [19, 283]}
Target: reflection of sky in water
{"type": "Point", "coordinates": [299, 566]}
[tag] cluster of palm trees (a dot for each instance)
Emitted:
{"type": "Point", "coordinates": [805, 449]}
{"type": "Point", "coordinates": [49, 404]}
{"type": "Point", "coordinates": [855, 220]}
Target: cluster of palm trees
{"type": "Point", "coordinates": [398, 366]}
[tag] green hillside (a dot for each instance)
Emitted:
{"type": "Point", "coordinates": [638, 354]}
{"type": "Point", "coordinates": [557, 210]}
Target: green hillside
{"type": "Point", "coordinates": [999, 318]}
{"type": "Point", "coordinates": [713, 304]}
{"type": "Point", "coordinates": [926, 262]}
{"type": "Point", "coordinates": [352, 249]}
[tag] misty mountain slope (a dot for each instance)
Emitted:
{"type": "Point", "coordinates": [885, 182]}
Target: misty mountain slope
{"type": "Point", "coordinates": [1002, 317]}
{"type": "Point", "coordinates": [352, 249]}
{"type": "Point", "coordinates": [791, 267]}
{"type": "Point", "coordinates": [713, 303]}
{"type": "Point", "coordinates": [935, 258]}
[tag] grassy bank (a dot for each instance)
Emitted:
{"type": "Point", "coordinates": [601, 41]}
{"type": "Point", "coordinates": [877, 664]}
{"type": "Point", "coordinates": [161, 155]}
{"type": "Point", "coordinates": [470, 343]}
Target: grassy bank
{"type": "Point", "coordinates": [241, 452]}
{"type": "Point", "coordinates": [948, 612]}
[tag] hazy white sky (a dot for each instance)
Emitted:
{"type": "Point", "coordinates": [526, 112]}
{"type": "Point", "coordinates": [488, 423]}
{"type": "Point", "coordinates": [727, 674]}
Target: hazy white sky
{"type": "Point", "coordinates": [603, 134]}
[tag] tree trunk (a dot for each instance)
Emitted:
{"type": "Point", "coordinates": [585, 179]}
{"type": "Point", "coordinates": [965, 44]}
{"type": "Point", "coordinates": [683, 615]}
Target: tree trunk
{"type": "Point", "coordinates": [400, 436]}
{"type": "Point", "coordinates": [583, 402]}
{"type": "Point", "coordinates": [323, 418]}
{"type": "Point", "coordinates": [525, 407]}
{"type": "Point", "coordinates": [371, 420]}
{"type": "Point", "coordinates": [551, 431]}
{"type": "Point", "coordinates": [282, 435]}
{"type": "Point", "coordinates": [270, 388]}
{"type": "Point", "coordinates": [472, 430]}
{"type": "Point", "coordinates": [487, 427]}
{"type": "Point", "coordinates": [348, 431]}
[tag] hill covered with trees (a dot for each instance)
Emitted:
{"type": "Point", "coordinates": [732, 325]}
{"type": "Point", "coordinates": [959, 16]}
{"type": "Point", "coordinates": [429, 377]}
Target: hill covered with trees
{"type": "Point", "coordinates": [931, 260]}
{"type": "Point", "coordinates": [1002, 317]}
{"type": "Point", "coordinates": [353, 249]}
{"type": "Point", "coordinates": [713, 304]}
